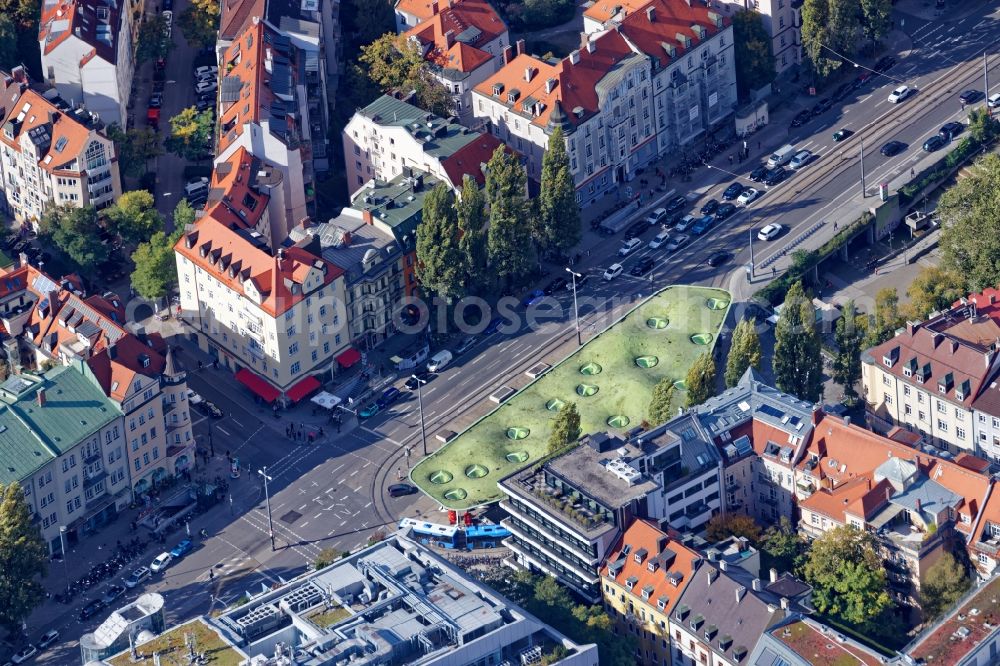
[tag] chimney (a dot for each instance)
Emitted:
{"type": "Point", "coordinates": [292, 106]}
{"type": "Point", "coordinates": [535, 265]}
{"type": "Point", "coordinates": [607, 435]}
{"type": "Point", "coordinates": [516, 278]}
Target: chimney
{"type": "Point", "coordinates": [847, 420]}
{"type": "Point", "coordinates": [784, 603]}
{"type": "Point", "coordinates": [591, 46]}
{"type": "Point", "coordinates": [529, 72]}
{"type": "Point", "coordinates": [817, 414]}
{"type": "Point", "coordinates": [520, 47]}
{"type": "Point", "coordinates": [574, 57]}
{"type": "Point", "coordinates": [888, 494]}
{"type": "Point", "coordinates": [724, 565]}
{"type": "Point", "coordinates": [508, 54]}
{"type": "Point", "coordinates": [449, 38]}
{"type": "Point", "coordinates": [41, 397]}
{"type": "Point", "coordinates": [22, 259]}
{"type": "Point", "coordinates": [919, 505]}
{"type": "Point", "coordinates": [550, 85]}
{"type": "Point", "coordinates": [434, 8]}
{"type": "Point", "coordinates": [112, 350]}
{"type": "Point", "coordinates": [651, 14]}
{"type": "Point", "coordinates": [774, 575]}
{"type": "Point", "coordinates": [757, 584]}
{"type": "Point", "coordinates": [740, 591]}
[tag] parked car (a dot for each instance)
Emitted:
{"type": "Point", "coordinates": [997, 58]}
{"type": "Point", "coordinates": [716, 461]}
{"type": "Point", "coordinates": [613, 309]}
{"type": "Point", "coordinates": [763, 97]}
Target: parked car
{"type": "Point", "coordinates": [24, 655]}
{"type": "Point", "coordinates": [206, 70]}
{"type": "Point", "coordinates": [493, 326]}
{"type": "Point", "coordinates": [801, 159]}
{"type": "Point", "coordinates": [629, 246]}
{"type": "Point", "coordinates": [749, 195]}
{"type": "Point", "coordinates": [758, 174]}
{"type": "Point", "coordinates": [388, 397]}
{"type": "Point", "coordinates": [91, 609]}
{"type": "Point", "coordinates": [734, 190]}
{"type": "Point", "coordinates": [775, 176]}
{"type": "Point", "coordinates": [156, 100]}
{"type": "Point", "coordinates": [211, 409]}
{"type": "Point", "coordinates": [656, 217]}
{"type": "Point", "coordinates": [401, 489]}
{"type": "Point", "coordinates": [841, 134]}
{"type": "Point", "coordinates": [900, 94]}
{"type": "Point", "coordinates": [719, 258]}
{"type": "Point", "coordinates": [136, 577]}
{"type": "Point", "coordinates": [532, 298]}
{"type": "Point", "coordinates": [702, 225]}
{"type": "Point", "coordinates": [935, 142]}
{"type": "Point", "coordinates": [614, 270]}
{"type": "Point", "coordinates": [467, 343]}
{"type": "Point", "coordinates": [659, 241]}
{"type": "Point", "coordinates": [724, 211]}
{"type": "Point", "coordinates": [112, 593]}
{"type": "Point", "coordinates": [369, 411]}
{"type": "Point", "coordinates": [160, 562]}
{"type": "Point", "coordinates": [770, 232]}
{"type": "Point", "coordinates": [194, 398]}
{"type": "Point", "coordinates": [182, 549]}
{"type": "Point", "coordinates": [685, 223]}
{"type": "Point", "coordinates": [676, 204]}
{"type": "Point", "coordinates": [47, 639]}
{"type": "Point", "coordinates": [893, 148]}
{"type": "Point", "coordinates": [676, 242]}
{"type": "Point", "coordinates": [884, 64]}
{"type": "Point", "coordinates": [205, 86]}
{"type": "Point", "coordinates": [417, 378]}
{"type": "Point", "coordinates": [822, 106]}
{"type": "Point", "coordinates": [558, 284]}
{"type": "Point", "coordinates": [951, 130]}
{"type": "Point", "coordinates": [801, 118]}
{"type": "Point", "coordinates": [710, 207]}
{"type": "Point", "coordinates": [439, 361]}
{"type": "Point", "coordinates": [970, 96]}
{"type": "Point", "coordinates": [643, 266]}
{"type": "Point", "coordinates": [994, 101]}
{"type": "Point", "coordinates": [637, 229]}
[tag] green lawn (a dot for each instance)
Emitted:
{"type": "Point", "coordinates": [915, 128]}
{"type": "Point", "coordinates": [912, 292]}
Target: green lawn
{"type": "Point", "coordinates": [464, 473]}
{"type": "Point", "coordinates": [171, 647]}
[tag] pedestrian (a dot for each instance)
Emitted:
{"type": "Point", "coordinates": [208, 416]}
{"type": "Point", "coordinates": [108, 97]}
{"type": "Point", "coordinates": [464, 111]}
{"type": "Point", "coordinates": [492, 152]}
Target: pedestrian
{"type": "Point", "coordinates": [758, 145]}
{"type": "Point", "coordinates": [835, 226]}
{"type": "Point", "coordinates": [730, 160]}
{"type": "Point", "coordinates": [911, 172]}
{"type": "Point", "coordinates": [774, 271]}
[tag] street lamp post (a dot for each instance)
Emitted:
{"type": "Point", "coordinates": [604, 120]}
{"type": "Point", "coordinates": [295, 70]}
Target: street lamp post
{"type": "Point", "coordinates": [420, 408]}
{"type": "Point", "coordinates": [751, 253]}
{"type": "Point", "coordinates": [863, 188]}
{"type": "Point", "coordinates": [62, 543]}
{"type": "Point", "coordinates": [576, 309]}
{"type": "Point", "coordinates": [267, 499]}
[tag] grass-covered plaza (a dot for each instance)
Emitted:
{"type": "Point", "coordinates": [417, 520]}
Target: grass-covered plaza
{"type": "Point", "coordinates": [611, 379]}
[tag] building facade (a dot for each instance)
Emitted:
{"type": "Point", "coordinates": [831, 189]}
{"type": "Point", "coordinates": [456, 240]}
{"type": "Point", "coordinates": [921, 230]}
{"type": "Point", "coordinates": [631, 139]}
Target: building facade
{"type": "Point", "coordinates": [782, 20]}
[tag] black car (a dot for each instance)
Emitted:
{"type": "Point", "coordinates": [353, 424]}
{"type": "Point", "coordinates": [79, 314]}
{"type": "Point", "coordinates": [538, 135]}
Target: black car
{"type": "Point", "coordinates": [675, 204]}
{"type": "Point", "coordinates": [211, 409]}
{"type": "Point", "coordinates": [724, 211]}
{"type": "Point", "coordinates": [822, 106]}
{"type": "Point", "coordinates": [155, 100]}
{"type": "Point", "coordinates": [580, 281]}
{"type": "Point", "coordinates": [719, 258]}
{"type": "Point", "coordinates": [970, 96]}
{"type": "Point", "coordinates": [758, 174]}
{"type": "Point", "coordinates": [556, 285]}
{"type": "Point", "coordinates": [951, 130]}
{"type": "Point", "coordinates": [884, 64]}
{"type": "Point", "coordinates": [775, 176]}
{"type": "Point", "coordinates": [801, 118]}
{"type": "Point", "coordinates": [936, 142]}
{"type": "Point", "coordinates": [401, 489]}
{"type": "Point", "coordinates": [843, 91]}
{"type": "Point", "coordinates": [893, 148]}
{"type": "Point", "coordinates": [91, 609]}
{"type": "Point", "coordinates": [643, 266]}
{"type": "Point", "coordinates": [734, 190]}
{"type": "Point", "coordinates": [637, 229]}
{"type": "Point", "coordinates": [415, 378]}
{"type": "Point", "coordinates": [710, 207]}
{"type": "Point", "coordinates": [670, 221]}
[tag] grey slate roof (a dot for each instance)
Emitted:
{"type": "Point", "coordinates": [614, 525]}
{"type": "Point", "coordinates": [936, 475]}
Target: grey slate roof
{"type": "Point", "coordinates": [932, 496]}
{"type": "Point", "coordinates": [439, 137]}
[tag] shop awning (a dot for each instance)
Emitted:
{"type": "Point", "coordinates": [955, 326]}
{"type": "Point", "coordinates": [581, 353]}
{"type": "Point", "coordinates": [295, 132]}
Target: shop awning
{"type": "Point", "coordinates": [302, 388]}
{"type": "Point", "coordinates": [348, 358]}
{"type": "Point", "coordinates": [257, 384]}
{"type": "Point", "coordinates": [325, 400]}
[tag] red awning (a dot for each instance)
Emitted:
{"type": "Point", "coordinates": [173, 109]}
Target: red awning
{"type": "Point", "coordinates": [349, 357]}
{"type": "Point", "coordinates": [257, 384]}
{"type": "Point", "coordinates": [302, 388]}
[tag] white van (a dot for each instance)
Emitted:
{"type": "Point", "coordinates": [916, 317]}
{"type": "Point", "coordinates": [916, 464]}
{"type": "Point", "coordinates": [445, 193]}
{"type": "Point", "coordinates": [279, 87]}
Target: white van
{"type": "Point", "coordinates": [439, 361]}
{"type": "Point", "coordinates": [781, 156]}
{"type": "Point", "coordinates": [196, 186]}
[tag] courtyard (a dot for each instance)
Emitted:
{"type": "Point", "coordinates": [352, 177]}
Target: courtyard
{"type": "Point", "coordinates": [610, 378]}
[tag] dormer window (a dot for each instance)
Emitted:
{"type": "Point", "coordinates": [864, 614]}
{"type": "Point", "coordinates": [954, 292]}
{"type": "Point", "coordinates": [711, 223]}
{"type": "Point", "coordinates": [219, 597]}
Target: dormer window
{"type": "Point", "coordinates": [891, 357]}
{"type": "Point", "coordinates": [661, 603]}
{"type": "Point", "coordinates": [640, 555]}
{"type": "Point", "coordinates": [646, 591]}
{"type": "Point", "coordinates": [653, 565]}
{"type": "Point", "coordinates": [631, 581]}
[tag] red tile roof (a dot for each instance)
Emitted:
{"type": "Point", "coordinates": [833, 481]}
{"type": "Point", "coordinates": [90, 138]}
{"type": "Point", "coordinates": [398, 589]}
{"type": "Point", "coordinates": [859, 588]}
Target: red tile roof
{"type": "Point", "coordinates": [232, 200]}
{"type": "Point", "coordinates": [860, 497]}
{"type": "Point", "coordinates": [62, 18]}
{"type": "Point", "coordinates": [659, 37]}
{"type": "Point", "coordinates": [445, 49]}
{"type": "Point", "coordinates": [237, 14]}
{"type": "Point", "coordinates": [422, 9]}
{"type": "Point", "coordinates": [470, 158]}
{"type": "Point", "coordinates": [66, 137]}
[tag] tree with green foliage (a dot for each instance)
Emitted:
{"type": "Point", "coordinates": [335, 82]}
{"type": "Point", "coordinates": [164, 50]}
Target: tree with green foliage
{"type": "Point", "coordinates": [200, 23]}
{"type": "Point", "coordinates": [9, 57]}
{"type": "Point", "coordinates": [744, 351]}
{"type": "Point", "coordinates": [700, 380]}
{"type": "Point", "coordinates": [886, 319]}
{"type": "Point", "coordinates": [76, 232]}
{"type": "Point", "coordinates": [153, 41]}
{"type": "Point", "coordinates": [191, 134]}
{"type": "Point", "coordinates": [25, 13]}
{"type": "Point", "coordinates": [565, 428]}
{"type": "Point", "coordinates": [183, 215]}
{"type": "Point", "coordinates": [558, 211]}
{"type": "Point", "coordinates": [23, 560]}
{"type": "Point", "coordinates": [135, 147]}
{"type": "Point", "coordinates": [984, 127]}
{"type": "Point", "coordinates": [783, 546]}
{"type": "Point", "coordinates": [848, 577]}
{"type": "Point", "coordinates": [471, 208]}
{"type": "Point", "coordinates": [326, 557]}
{"type": "Point", "coordinates": [366, 20]}
{"type": "Point", "coordinates": [659, 405]}
{"type": "Point", "coordinates": [133, 217]}
{"type": "Point", "coordinates": [754, 60]}
{"type": "Point", "coordinates": [970, 218]}
{"type": "Point", "coordinates": [798, 361]}
{"type": "Point", "coordinates": [943, 584]}
{"type": "Point", "coordinates": [396, 63]}
{"type": "Point", "coordinates": [725, 525]}
{"type": "Point", "coordinates": [155, 266]}
{"type": "Point", "coordinates": [934, 288]}
{"type": "Point", "coordinates": [876, 19]}
{"type": "Point", "coordinates": [829, 27]}
{"type": "Point", "coordinates": [439, 263]}
{"type": "Point", "coordinates": [510, 247]}
{"type": "Point", "coordinates": [847, 362]}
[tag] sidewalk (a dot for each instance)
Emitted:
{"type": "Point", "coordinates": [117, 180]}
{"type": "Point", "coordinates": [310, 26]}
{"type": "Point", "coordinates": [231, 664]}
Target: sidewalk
{"type": "Point", "coordinates": [927, 10]}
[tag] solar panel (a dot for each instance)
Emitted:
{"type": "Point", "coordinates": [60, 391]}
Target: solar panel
{"type": "Point", "coordinates": [771, 411]}
{"type": "Point", "coordinates": [743, 446]}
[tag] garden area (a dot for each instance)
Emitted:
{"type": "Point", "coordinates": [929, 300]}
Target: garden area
{"type": "Point", "coordinates": [611, 380]}
{"type": "Point", "coordinates": [173, 649]}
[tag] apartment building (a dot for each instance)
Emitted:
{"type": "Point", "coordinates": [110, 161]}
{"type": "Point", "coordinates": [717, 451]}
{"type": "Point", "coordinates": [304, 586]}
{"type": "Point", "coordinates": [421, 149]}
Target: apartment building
{"type": "Point", "coordinates": [799, 640]}
{"type": "Point", "coordinates": [49, 322]}
{"type": "Point", "coordinates": [644, 577]}
{"type": "Point", "coordinates": [52, 155]}
{"type": "Point", "coordinates": [373, 242]}
{"type": "Point", "coordinates": [64, 441]}
{"type": "Point", "coordinates": [725, 610]}
{"type": "Point", "coordinates": [644, 84]}
{"type": "Point", "coordinates": [88, 54]}
{"type": "Point", "coordinates": [782, 20]}
{"type": "Point", "coordinates": [462, 41]}
{"type": "Point", "coordinates": [410, 13]}
{"type": "Point", "coordinates": [967, 635]}
{"type": "Point", "coordinates": [927, 378]}
{"type": "Point", "coordinates": [270, 317]}
{"type": "Point", "coordinates": [390, 135]}
{"type": "Point", "coordinates": [391, 604]}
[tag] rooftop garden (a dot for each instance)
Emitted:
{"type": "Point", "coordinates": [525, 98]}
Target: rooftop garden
{"type": "Point", "coordinates": [610, 378]}
{"type": "Point", "coordinates": [325, 618]}
{"type": "Point", "coordinates": [173, 650]}
{"type": "Point", "coordinates": [819, 649]}
{"type": "Point", "coordinates": [975, 620]}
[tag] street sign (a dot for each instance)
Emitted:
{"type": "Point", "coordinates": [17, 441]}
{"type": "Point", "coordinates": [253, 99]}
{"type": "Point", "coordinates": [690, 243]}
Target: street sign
{"type": "Point", "coordinates": [812, 90]}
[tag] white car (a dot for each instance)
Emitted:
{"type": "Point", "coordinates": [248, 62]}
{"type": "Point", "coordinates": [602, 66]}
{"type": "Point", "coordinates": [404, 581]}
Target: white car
{"type": "Point", "coordinates": [770, 232]}
{"type": "Point", "coordinates": [656, 216]}
{"type": "Point", "coordinates": [206, 86]}
{"type": "Point", "coordinates": [206, 70]}
{"type": "Point", "coordinates": [193, 397]}
{"type": "Point", "coordinates": [676, 242]}
{"type": "Point", "coordinates": [614, 270]}
{"type": "Point", "coordinates": [136, 577]}
{"type": "Point", "coordinates": [629, 246]}
{"type": "Point", "coordinates": [161, 562]}
{"type": "Point", "coordinates": [899, 94]}
{"type": "Point", "coordinates": [659, 241]}
{"type": "Point", "coordinates": [800, 160]}
{"type": "Point", "coordinates": [748, 197]}
{"type": "Point", "coordinates": [993, 101]}
{"type": "Point", "coordinates": [24, 655]}
{"type": "Point", "coordinates": [686, 223]}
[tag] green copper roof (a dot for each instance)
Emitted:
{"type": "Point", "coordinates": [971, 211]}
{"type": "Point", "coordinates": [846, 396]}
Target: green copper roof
{"type": "Point", "coordinates": [31, 434]}
{"type": "Point", "coordinates": [397, 206]}
{"type": "Point", "coordinates": [438, 137]}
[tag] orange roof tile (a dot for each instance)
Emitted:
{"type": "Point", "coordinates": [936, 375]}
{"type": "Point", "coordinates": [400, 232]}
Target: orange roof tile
{"type": "Point", "coordinates": [62, 18]}
{"type": "Point", "coordinates": [232, 199]}
{"type": "Point", "coordinates": [422, 9]}
{"type": "Point", "coordinates": [670, 18]}
{"type": "Point", "coordinates": [470, 158]}
{"type": "Point", "coordinates": [66, 137]}
{"type": "Point", "coordinates": [449, 34]}
{"type": "Point", "coordinates": [858, 497]}
{"type": "Point", "coordinates": [236, 15]}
